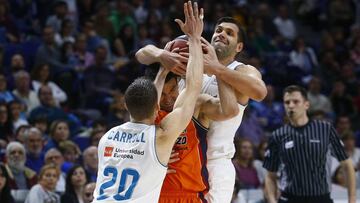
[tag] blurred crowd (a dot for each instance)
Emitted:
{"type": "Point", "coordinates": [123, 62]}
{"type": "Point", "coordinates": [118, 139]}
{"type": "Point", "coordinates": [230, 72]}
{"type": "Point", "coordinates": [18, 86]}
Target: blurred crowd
{"type": "Point", "coordinates": [66, 63]}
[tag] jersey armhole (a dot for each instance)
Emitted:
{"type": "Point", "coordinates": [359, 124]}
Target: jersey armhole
{"type": "Point", "coordinates": [155, 149]}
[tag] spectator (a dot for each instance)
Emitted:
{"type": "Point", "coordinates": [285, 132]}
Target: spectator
{"type": "Point", "coordinates": [23, 92]}
{"type": "Point", "coordinates": [5, 94]}
{"type": "Point", "coordinates": [41, 77]}
{"type": "Point", "coordinates": [341, 102]}
{"type": "Point", "coordinates": [246, 174]}
{"type": "Point", "coordinates": [285, 25]}
{"type": "Point", "coordinates": [5, 194]}
{"type": "Point", "coordinates": [259, 161]}
{"type": "Point", "coordinates": [47, 108]}
{"type": "Point", "coordinates": [21, 178]}
{"type": "Point", "coordinates": [17, 114]}
{"type": "Point", "coordinates": [88, 192]}
{"type": "Point", "coordinates": [71, 153]}
{"type": "Point", "coordinates": [20, 133]}
{"type": "Point", "coordinates": [117, 112]}
{"type": "Point", "coordinates": [54, 156]}
{"type": "Point", "coordinates": [304, 58]}
{"type": "Point", "coordinates": [66, 33]}
{"type": "Point", "coordinates": [318, 101]}
{"type": "Point", "coordinates": [351, 150]}
{"type": "Point", "coordinates": [59, 131]}
{"type": "Point", "coordinates": [41, 124]}
{"type": "Point", "coordinates": [55, 20]}
{"type": "Point", "coordinates": [99, 81]}
{"type": "Point", "coordinates": [86, 9]}
{"type": "Point", "coordinates": [90, 158]}
{"type": "Point", "coordinates": [6, 127]}
{"type": "Point", "coordinates": [84, 58]}
{"type": "Point", "coordinates": [34, 144]}
{"type": "Point", "coordinates": [95, 137]}
{"type": "Point", "coordinates": [48, 53]}
{"type": "Point", "coordinates": [269, 112]}
{"type": "Point", "coordinates": [17, 63]}
{"type": "Point", "coordinates": [102, 24]}
{"type": "Point", "coordinates": [44, 191]}
{"type": "Point", "coordinates": [75, 185]}
{"type": "Point", "coordinates": [7, 23]}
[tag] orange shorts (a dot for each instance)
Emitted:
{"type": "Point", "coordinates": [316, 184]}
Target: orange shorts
{"type": "Point", "coordinates": [181, 197]}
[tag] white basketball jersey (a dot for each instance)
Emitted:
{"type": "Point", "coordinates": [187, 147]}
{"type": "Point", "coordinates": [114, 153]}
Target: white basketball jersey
{"type": "Point", "coordinates": [220, 138]}
{"type": "Point", "coordinates": [129, 170]}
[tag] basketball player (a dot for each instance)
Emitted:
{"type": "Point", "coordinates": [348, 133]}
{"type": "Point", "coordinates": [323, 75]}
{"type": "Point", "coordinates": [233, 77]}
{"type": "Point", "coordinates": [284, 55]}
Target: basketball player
{"type": "Point", "coordinates": [189, 183]}
{"type": "Point", "coordinates": [226, 43]}
{"type": "Point", "coordinates": [133, 156]}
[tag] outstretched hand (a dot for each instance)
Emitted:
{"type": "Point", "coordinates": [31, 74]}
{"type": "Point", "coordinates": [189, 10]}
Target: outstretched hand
{"type": "Point", "coordinates": [193, 26]}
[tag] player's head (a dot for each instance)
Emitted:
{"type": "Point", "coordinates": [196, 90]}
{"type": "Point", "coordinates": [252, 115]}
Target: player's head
{"type": "Point", "coordinates": [228, 37]}
{"type": "Point", "coordinates": [170, 93]}
{"type": "Point", "coordinates": [295, 102]}
{"type": "Point", "coordinates": [141, 99]}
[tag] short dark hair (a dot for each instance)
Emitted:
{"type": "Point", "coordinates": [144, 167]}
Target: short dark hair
{"type": "Point", "coordinates": [296, 88]}
{"type": "Point", "coordinates": [241, 33]}
{"type": "Point", "coordinates": [140, 98]}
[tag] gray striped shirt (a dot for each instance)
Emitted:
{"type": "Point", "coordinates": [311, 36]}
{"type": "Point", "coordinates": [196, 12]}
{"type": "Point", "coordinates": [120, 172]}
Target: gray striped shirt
{"type": "Point", "coordinates": [302, 155]}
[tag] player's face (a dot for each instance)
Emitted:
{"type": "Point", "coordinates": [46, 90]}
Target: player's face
{"type": "Point", "coordinates": [225, 40]}
{"type": "Point", "coordinates": [295, 105]}
{"type": "Point", "coordinates": [169, 95]}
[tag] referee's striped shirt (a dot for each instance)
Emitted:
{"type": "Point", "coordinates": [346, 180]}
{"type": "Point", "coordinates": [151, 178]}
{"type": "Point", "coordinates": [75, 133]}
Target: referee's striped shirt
{"type": "Point", "coordinates": [302, 154]}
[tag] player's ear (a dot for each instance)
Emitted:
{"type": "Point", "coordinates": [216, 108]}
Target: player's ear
{"type": "Point", "coordinates": [239, 46]}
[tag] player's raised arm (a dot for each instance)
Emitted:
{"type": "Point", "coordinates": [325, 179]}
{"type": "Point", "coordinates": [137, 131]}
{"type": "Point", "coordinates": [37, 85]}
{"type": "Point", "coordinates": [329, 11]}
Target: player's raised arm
{"type": "Point", "coordinates": [152, 54]}
{"type": "Point", "coordinates": [218, 109]}
{"type": "Point", "coordinates": [175, 122]}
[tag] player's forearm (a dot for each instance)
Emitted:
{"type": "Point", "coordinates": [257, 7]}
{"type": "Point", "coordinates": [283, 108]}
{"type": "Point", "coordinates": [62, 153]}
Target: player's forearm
{"type": "Point", "coordinates": [270, 187]}
{"type": "Point", "coordinates": [228, 102]}
{"type": "Point", "coordinates": [148, 54]}
{"type": "Point", "coordinates": [350, 179]}
{"type": "Point", "coordinates": [248, 85]}
{"type": "Point", "coordinates": [160, 80]}
{"type": "Point", "coordinates": [194, 73]}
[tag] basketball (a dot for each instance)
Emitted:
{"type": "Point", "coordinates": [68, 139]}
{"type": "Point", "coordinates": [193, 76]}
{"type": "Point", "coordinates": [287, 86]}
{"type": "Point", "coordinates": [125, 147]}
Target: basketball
{"type": "Point", "coordinates": [179, 42]}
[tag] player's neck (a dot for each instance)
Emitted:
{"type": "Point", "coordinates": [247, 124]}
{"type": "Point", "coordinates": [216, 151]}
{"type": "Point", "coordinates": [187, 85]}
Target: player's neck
{"type": "Point", "coordinates": [146, 121]}
{"type": "Point", "coordinates": [226, 61]}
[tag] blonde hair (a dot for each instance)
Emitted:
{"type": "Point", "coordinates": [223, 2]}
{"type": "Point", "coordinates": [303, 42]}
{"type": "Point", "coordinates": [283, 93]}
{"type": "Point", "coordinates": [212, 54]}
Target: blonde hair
{"type": "Point", "coordinates": [48, 167]}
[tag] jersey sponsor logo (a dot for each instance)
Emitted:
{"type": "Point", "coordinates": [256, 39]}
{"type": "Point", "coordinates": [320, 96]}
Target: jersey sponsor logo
{"type": "Point", "coordinates": [314, 141]}
{"type": "Point", "coordinates": [289, 145]}
{"type": "Point", "coordinates": [181, 140]}
{"type": "Point", "coordinates": [108, 151]}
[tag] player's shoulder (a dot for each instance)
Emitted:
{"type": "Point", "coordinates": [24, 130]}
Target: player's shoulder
{"type": "Point", "coordinates": [249, 69]}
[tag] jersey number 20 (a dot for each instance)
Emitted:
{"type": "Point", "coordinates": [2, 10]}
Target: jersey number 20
{"type": "Point", "coordinates": [125, 173]}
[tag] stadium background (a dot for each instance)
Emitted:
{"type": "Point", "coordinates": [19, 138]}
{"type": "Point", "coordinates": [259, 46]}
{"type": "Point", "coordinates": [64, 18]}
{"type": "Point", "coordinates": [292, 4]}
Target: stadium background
{"type": "Point", "coordinates": [89, 51]}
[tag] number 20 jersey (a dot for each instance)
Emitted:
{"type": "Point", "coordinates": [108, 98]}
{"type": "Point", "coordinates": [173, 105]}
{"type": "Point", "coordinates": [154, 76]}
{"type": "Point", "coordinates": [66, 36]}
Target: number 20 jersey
{"type": "Point", "coordinates": [129, 170]}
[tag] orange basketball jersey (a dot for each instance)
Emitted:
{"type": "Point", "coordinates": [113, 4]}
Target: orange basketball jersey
{"type": "Point", "coordinates": [191, 174]}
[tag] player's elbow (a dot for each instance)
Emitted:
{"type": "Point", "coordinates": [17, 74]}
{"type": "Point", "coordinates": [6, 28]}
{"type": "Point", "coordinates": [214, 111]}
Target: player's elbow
{"type": "Point", "coordinates": [232, 112]}
{"type": "Point", "coordinates": [259, 94]}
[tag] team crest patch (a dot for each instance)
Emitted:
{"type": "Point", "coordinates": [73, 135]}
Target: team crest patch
{"type": "Point", "coordinates": [108, 151]}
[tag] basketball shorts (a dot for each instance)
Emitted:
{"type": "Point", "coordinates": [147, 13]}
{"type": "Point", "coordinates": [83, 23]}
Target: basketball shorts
{"type": "Point", "coordinates": [221, 180]}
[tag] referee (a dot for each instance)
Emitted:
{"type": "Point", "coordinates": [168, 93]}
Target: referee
{"type": "Point", "coordinates": [301, 151]}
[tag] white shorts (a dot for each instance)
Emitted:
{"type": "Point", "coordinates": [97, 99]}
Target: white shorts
{"type": "Point", "coordinates": [221, 180]}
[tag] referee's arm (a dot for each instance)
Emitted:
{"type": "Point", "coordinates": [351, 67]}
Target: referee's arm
{"type": "Point", "coordinates": [271, 163]}
{"type": "Point", "coordinates": [346, 164]}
